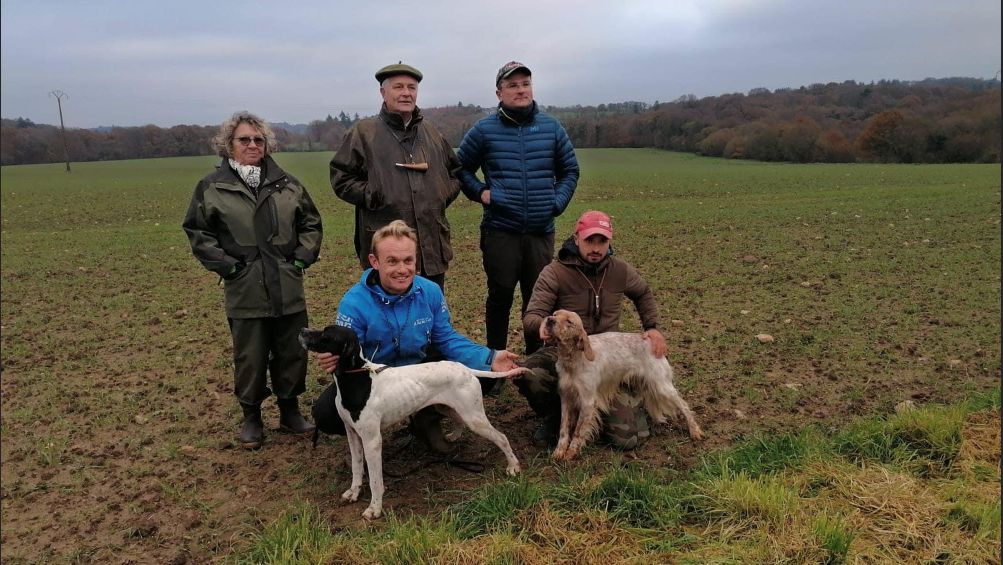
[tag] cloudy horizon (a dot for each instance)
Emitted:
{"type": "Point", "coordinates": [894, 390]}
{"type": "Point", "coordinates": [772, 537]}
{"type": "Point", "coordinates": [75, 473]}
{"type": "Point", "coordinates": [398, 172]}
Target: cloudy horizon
{"type": "Point", "coordinates": [131, 64]}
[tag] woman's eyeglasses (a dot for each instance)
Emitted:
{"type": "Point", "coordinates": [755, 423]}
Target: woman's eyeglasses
{"type": "Point", "coordinates": [245, 141]}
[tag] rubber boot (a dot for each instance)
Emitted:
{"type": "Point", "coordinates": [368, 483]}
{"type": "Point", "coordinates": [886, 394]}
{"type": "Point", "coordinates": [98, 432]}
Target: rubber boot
{"type": "Point", "coordinates": [546, 433]}
{"type": "Point", "coordinates": [252, 429]}
{"type": "Point", "coordinates": [290, 419]}
{"type": "Point", "coordinates": [425, 425]}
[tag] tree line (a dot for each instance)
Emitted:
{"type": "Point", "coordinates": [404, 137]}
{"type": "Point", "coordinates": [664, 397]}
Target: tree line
{"type": "Point", "coordinates": [955, 120]}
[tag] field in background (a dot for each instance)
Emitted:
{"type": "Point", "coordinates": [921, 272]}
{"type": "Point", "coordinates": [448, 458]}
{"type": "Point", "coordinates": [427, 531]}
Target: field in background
{"type": "Point", "coordinates": [878, 283]}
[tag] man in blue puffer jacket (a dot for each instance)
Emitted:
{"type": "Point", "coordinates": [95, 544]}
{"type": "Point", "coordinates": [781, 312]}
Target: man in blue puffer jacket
{"type": "Point", "coordinates": [530, 174]}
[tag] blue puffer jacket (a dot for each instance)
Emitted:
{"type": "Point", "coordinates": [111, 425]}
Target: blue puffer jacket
{"type": "Point", "coordinates": [530, 169]}
{"type": "Point", "coordinates": [397, 330]}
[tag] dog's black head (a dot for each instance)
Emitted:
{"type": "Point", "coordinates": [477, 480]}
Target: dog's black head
{"type": "Point", "coordinates": [338, 340]}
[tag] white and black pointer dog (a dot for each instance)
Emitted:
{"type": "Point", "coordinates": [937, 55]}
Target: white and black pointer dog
{"type": "Point", "coordinates": [590, 371]}
{"type": "Point", "coordinates": [373, 397]}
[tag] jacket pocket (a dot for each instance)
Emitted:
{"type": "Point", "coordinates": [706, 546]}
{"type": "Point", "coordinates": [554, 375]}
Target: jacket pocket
{"type": "Point", "coordinates": [245, 293]}
{"type": "Point", "coordinates": [445, 239]}
{"type": "Point", "coordinates": [291, 281]}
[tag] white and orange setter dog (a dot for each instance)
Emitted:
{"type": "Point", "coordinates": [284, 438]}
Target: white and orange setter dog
{"type": "Point", "coordinates": [591, 370]}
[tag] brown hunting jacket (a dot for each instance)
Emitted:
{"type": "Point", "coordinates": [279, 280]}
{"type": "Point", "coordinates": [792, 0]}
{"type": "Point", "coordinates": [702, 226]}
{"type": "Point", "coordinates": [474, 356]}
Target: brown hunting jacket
{"type": "Point", "coordinates": [570, 283]}
{"type": "Point", "coordinates": [364, 174]}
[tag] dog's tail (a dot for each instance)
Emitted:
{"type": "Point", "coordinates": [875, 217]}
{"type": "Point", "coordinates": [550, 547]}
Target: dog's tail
{"type": "Point", "coordinates": [506, 375]}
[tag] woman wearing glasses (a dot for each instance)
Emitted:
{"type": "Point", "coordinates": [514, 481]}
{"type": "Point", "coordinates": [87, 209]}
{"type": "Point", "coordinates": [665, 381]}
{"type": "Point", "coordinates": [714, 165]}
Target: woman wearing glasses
{"type": "Point", "coordinates": [255, 226]}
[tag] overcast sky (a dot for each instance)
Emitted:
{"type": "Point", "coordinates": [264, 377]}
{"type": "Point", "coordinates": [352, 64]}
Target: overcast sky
{"type": "Point", "coordinates": [183, 62]}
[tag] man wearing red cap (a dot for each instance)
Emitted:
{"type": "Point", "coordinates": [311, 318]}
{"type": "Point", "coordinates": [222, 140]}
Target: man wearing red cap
{"type": "Point", "coordinates": [588, 280]}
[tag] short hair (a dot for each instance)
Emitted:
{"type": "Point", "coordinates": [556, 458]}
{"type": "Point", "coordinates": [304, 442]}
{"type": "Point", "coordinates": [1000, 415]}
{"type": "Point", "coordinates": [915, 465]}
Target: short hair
{"type": "Point", "coordinates": [223, 140]}
{"type": "Point", "coordinates": [396, 229]}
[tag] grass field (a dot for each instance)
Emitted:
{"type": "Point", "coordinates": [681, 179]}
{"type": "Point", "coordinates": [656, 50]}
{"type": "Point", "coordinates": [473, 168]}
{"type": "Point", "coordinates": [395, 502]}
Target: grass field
{"type": "Point", "coordinates": [879, 284]}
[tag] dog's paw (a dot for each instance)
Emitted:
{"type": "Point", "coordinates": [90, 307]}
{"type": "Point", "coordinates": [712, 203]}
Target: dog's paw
{"type": "Point", "coordinates": [513, 470]}
{"type": "Point", "coordinates": [372, 513]}
{"type": "Point", "coordinates": [350, 495]}
{"type": "Point", "coordinates": [558, 454]}
{"type": "Point", "coordinates": [696, 434]}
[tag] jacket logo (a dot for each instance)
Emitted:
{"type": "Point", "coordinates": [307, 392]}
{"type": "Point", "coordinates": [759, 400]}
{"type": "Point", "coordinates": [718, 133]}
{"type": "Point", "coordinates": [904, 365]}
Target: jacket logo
{"type": "Point", "coordinates": [421, 321]}
{"type": "Point", "coordinates": [534, 129]}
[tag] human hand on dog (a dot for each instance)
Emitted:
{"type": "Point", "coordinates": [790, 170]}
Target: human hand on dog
{"type": "Point", "coordinates": [504, 361]}
{"type": "Point", "coordinates": [327, 361]}
{"type": "Point", "coordinates": [657, 342]}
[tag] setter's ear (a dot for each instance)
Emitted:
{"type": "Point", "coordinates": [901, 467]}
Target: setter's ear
{"type": "Point", "coordinates": [583, 344]}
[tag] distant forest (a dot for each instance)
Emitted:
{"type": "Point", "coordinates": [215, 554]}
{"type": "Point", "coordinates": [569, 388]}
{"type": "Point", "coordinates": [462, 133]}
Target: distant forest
{"type": "Point", "coordinates": [953, 120]}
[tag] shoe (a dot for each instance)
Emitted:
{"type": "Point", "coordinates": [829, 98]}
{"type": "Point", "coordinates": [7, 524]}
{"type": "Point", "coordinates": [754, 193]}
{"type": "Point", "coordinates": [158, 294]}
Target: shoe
{"type": "Point", "coordinates": [252, 429]}
{"type": "Point", "coordinates": [290, 419]}
{"type": "Point", "coordinates": [545, 434]}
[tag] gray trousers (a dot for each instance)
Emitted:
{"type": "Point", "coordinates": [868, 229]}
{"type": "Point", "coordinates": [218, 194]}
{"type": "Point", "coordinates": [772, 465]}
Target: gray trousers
{"type": "Point", "coordinates": [511, 259]}
{"type": "Point", "coordinates": [268, 346]}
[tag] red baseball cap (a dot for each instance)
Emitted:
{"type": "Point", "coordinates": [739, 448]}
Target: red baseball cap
{"type": "Point", "coordinates": [594, 222]}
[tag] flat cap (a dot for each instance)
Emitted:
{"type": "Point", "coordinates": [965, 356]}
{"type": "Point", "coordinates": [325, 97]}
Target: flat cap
{"type": "Point", "coordinates": [398, 69]}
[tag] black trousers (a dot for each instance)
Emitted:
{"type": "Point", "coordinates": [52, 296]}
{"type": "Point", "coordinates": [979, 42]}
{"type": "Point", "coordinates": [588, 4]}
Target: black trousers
{"type": "Point", "coordinates": [511, 259]}
{"type": "Point", "coordinates": [268, 346]}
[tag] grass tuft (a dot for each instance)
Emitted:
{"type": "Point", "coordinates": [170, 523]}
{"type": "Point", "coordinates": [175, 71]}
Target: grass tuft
{"type": "Point", "coordinates": [494, 506]}
{"type": "Point", "coordinates": [733, 496]}
{"type": "Point", "coordinates": [300, 536]}
{"type": "Point", "coordinates": [835, 536]}
{"type": "Point", "coordinates": [636, 498]}
{"type": "Point", "coordinates": [763, 454]}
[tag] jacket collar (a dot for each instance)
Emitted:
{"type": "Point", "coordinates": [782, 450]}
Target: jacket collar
{"type": "Point", "coordinates": [271, 173]}
{"type": "Point", "coordinates": [518, 117]}
{"type": "Point", "coordinates": [569, 255]}
{"type": "Point", "coordinates": [371, 280]}
{"type": "Point", "coordinates": [396, 122]}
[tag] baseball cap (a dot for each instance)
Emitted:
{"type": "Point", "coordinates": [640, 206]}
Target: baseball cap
{"type": "Point", "coordinates": [594, 222]}
{"type": "Point", "coordinates": [398, 69]}
{"type": "Point", "coordinates": [510, 68]}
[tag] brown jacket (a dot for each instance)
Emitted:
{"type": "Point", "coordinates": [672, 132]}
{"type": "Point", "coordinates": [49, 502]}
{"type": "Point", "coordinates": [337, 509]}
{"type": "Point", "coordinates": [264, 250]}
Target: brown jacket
{"type": "Point", "coordinates": [569, 283]}
{"type": "Point", "coordinates": [364, 174]}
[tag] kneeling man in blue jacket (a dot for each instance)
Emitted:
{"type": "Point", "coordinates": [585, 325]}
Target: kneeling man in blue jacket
{"type": "Point", "coordinates": [400, 318]}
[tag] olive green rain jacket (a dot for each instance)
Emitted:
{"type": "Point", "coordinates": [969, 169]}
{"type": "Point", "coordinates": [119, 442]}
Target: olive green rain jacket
{"type": "Point", "coordinates": [229, 225]}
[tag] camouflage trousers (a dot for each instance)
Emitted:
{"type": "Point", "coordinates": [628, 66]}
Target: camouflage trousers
{"type": "Point", "coordinates": [625, 426]}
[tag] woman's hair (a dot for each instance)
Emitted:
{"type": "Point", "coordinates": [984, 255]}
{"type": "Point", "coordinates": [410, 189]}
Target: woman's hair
{"type": "Point", "coordinates": [223, 140]}
{"type": "Point", "coordinates": [396, 229]}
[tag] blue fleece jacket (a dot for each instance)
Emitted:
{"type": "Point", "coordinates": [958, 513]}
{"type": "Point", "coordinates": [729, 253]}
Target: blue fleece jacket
{"type": "Point", "coordinates": [530, 168]}
{"type": "Point", "coordinates": [397, 330]}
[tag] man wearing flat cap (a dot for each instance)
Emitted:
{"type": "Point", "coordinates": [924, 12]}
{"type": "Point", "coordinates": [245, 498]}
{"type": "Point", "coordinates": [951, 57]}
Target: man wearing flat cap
{"type": "Point", "coordinates": [530, 174]}
{"type": "Point", "coordinates": [396, 166]}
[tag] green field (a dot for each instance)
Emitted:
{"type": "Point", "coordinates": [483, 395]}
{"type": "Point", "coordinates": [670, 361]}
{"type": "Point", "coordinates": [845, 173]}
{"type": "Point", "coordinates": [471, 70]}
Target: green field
{"type": "Point", "coordinates": [878, 283]}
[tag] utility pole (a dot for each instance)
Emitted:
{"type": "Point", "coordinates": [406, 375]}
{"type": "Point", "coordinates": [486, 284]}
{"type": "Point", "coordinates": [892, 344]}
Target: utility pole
{"type": "Point", "coordinates": [59, 94]}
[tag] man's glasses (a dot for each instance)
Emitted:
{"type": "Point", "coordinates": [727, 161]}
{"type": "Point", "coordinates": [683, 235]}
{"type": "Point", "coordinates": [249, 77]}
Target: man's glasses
{"type": "Point", "coordinates": [245, 141]}
{"type": "Point", "coordinates": [515, 85]}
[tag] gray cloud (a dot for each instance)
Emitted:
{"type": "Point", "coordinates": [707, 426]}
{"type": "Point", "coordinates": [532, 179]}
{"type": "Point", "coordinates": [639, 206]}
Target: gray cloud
{"type": "Point", "coordinates": [196, 62]}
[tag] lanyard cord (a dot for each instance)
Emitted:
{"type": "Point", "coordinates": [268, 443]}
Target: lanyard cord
{"type": "Point", "coordinates": [595, 315]}
{"type": "Point", "coordinates": [400, 140]}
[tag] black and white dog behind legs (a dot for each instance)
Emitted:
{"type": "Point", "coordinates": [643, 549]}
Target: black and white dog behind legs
{"type": "Point", "coordinates": [373, 397]}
